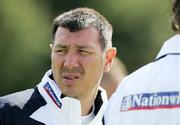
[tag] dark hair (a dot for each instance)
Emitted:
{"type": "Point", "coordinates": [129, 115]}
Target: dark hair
{"type": "Point", "coordinates": [81, 18]}
{"type": "Point", "coordinates": [176, 15]}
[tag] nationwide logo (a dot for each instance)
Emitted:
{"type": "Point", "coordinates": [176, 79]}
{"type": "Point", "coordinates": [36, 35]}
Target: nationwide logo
{"type": "Point", "coordinates": [151, 101]}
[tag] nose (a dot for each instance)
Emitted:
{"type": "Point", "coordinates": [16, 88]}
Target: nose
{"type": "Point", "coordinates": [71, 60]}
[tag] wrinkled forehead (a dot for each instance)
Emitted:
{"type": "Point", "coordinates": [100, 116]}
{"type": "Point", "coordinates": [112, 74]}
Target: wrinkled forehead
{"type": "Point", "coordinates": [83, 38]}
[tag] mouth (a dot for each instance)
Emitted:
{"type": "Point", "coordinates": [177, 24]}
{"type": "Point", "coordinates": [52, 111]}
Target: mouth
{"type": "Point", "coordinates": [70, 79]}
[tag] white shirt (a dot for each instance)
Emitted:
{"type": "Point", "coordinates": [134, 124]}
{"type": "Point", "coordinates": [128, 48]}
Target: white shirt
{"type": "Point", "coordinates": [150, 95]}
{"type": "Point", "coordinates": [87, 118]}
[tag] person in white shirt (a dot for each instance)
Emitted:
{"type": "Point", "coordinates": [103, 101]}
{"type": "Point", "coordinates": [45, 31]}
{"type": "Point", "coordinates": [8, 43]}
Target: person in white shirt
{"type": "Point", "coordinates": [151, 95]}
{"type": "Point", "coordinates": [70, 92]}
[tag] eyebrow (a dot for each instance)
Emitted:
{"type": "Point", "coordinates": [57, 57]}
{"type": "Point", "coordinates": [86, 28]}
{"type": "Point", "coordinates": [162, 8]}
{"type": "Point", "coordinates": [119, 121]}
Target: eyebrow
{"type": "Point", "coordinates": [61, 46]}
{"type": "Point", "coordinates": [84, 47]}
{"type": "Point", "coordinates": [77, 46]}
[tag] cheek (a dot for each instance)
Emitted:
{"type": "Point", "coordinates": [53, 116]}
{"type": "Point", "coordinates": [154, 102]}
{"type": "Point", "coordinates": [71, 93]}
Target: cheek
{"type": "Point", "coordinates": [56, 63]}
{"type": "Point", "coordinates": [56, 60]}
{"type": "Point", "coordinates": [95, 67]}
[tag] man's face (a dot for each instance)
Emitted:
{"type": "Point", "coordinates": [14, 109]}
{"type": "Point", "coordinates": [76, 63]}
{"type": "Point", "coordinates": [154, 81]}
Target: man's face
{"type": "Point", "coordinates": [77, 61]}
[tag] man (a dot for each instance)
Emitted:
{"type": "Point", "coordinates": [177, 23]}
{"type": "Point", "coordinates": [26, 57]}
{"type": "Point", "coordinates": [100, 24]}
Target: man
{"type": "Point", "coordinates": [113, 78]}
{"type": "Point", "coordinates": [69, 93]}
{"type": "Point", "coordinates": [151, 95]}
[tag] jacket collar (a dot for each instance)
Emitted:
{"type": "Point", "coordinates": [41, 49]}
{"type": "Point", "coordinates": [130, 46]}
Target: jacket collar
{"type": "Point", "coordinates": [171, 46]}
{"type": "Point", "coordinates": [66, 105]}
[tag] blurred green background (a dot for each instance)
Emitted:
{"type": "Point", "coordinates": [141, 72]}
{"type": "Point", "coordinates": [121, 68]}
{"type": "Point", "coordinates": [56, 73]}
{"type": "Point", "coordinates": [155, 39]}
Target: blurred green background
{"type": "Point", "coordinates": [140, 28]}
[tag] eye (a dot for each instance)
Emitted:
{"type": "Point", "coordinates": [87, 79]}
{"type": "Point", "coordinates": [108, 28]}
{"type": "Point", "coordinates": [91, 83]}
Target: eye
{"type": "Point", "coordinates": [84, 52]}
{"type": "Point", "coordinates": [61, 51]}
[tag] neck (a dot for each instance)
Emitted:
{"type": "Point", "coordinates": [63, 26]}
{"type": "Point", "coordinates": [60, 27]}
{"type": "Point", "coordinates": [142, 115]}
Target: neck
{"type": "Point", "coordinates": [87, 102]}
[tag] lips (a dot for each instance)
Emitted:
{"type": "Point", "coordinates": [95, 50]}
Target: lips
{"type": "Point", "coordinates": [70, 78]}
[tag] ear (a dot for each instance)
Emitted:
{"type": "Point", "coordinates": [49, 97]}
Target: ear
{"type": "Point", "coordinates": [110, 54]}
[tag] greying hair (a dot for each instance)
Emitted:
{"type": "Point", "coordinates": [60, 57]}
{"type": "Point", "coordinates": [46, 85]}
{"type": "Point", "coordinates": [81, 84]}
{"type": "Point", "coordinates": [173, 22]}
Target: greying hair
{"type": "Point", "coordinates": [81, 18]}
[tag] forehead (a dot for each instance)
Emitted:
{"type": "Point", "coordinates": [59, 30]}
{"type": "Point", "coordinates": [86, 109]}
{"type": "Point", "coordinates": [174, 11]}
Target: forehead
{"type": "Point", "coordinates": [88, 36]}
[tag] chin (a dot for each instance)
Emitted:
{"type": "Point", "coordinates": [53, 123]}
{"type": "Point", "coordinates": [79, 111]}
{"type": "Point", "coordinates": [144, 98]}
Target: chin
{"type": "Point", "coordinates": [70, 94]}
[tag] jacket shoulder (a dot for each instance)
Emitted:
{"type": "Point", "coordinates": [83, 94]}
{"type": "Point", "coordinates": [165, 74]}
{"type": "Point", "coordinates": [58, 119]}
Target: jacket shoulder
{"type": "Point", "coordinates": [16, 99]}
